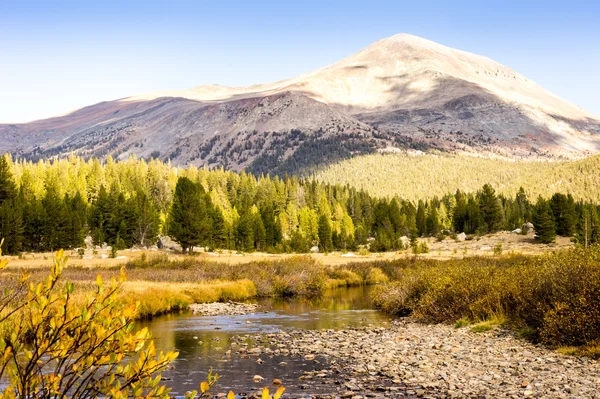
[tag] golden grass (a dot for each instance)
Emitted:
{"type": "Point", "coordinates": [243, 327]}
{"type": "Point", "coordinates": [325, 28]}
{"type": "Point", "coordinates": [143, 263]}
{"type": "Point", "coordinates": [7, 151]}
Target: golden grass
{"type": "Point", "coordinates": [156, 298]}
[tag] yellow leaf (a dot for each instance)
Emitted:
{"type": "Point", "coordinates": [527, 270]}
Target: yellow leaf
{"type": "Point", "coordinates": [265, 393]}
{"type": "Point", "coordinates": [204, 386]}
{"type": "Point", "coordinates": [230, 395]}
{"type": "Point", "coordinates": [279, 392]}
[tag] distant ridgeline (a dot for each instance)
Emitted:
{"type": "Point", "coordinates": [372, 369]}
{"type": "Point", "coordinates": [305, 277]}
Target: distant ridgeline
{"type": "Point", "coordinates": [49, 205]}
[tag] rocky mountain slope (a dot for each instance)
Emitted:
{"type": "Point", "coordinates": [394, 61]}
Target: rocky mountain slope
{"type": "Point", "coordinates": [402, 91]}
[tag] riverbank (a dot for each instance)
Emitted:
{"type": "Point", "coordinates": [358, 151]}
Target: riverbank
{"type": "Point", "coordinates": [414, 360]}
{"type": "Point", "coordinates": [162, 284]}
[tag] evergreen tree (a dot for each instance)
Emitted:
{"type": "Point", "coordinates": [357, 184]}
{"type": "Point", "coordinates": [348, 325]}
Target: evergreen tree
{"type": "Point", "coordinates": [189, 219]}
{"type": "Point", "coordinates": [491, 212]}
{"type": "Point", "coordinates": [543, 222]}
{"type": "Point", "coordinates": [220, 230]}
{"type": "Point", "coordinates": [8, 188]}
{"type": "Point", "coordinates": [11, 227]}
{"type": "Point", "coordinates": [325, 239]}
{"type": "Point", "coordinates": [421, 219]}
{"type": "Point", "coordinates": [563, 209]}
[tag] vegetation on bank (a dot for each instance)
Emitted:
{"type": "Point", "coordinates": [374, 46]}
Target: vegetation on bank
{"type": "Point", "coordinates": [161, 285]}
{"type": "Point", "coordinates": [553, 299]}
{"type": "Point", "coordinates": [430, 175]}
{"type": "Point", "coordinates": [55, 204]}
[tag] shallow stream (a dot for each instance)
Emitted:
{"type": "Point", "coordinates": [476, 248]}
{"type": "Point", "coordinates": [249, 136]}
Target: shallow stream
{"type": "Point", "coordinates": [203, 341]}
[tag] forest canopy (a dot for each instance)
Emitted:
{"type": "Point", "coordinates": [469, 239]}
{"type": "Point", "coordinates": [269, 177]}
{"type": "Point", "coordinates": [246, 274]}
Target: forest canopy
{"type": "Point", "coordinates": [53, 204]}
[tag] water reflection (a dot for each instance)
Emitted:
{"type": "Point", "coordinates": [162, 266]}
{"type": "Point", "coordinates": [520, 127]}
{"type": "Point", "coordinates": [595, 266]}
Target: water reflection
{"type": "Point", "coordinates": [202, 341]}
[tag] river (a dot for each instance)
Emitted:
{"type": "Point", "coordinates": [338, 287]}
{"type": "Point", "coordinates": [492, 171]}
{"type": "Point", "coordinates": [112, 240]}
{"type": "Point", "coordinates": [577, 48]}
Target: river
{"type": "Point", "coordinates": [203, 341]}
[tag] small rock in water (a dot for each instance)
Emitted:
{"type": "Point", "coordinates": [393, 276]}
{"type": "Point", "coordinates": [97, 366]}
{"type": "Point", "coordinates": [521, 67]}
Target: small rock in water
{"type": "Point", "coordinates": [277, 381]}
{"type": "Point", "coordinates": [258, 378]}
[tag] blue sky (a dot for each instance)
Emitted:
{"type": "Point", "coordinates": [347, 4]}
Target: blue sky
{"type": "Point", "coordinates": [58, 56]}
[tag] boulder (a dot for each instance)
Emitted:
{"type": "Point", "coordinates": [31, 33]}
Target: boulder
{"type": "Point", "coordinates": [527, 227]}
{"type": "Point", "coordinates": [89, 244]}
{"type": "Point", "coordinates": [165, 242]}
{"type": "Point", "coordinates": [405, 241]}
{"type": "Point", "coordinates": [517, 231]}
{"type": "Point", "coordinates": [314, 250]}
{"type": "Point", "coordinates": [461, 237]}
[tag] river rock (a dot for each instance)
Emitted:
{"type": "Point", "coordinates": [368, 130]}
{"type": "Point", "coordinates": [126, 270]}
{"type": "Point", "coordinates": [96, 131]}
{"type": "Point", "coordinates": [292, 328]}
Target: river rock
{"type": "Point", "coordinates": [222, 308]}
{"type": "Point", "coordinates": [412, 360]}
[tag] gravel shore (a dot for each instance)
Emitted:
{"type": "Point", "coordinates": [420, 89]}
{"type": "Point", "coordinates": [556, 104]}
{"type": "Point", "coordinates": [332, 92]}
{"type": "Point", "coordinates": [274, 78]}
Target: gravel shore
{"type": "Point", "coordinates": [411, 360]}
{"type": "Point", "coordinates": [223, 308]}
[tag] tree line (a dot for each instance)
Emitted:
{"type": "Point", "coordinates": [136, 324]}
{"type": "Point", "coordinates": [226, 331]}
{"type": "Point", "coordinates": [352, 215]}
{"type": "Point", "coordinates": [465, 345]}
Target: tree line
{"type": "Point", "coordinates": [49, 205]}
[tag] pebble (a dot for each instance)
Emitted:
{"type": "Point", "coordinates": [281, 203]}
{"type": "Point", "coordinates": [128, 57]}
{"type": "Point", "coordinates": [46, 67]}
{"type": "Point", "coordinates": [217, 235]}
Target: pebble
{"type": "Point", "coordinates": [413, 360]}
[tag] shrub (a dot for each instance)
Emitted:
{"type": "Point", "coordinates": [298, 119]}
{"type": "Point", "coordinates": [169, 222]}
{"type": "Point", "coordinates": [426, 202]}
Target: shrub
{"type": "Point", "coordinates": [498, 249]}
{"type": "Point", "coordinates": [554, 297]}
{"type": "Point", "coordinates": [89, 349]}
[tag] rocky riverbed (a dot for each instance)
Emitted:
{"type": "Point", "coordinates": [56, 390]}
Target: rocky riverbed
{"type": "Point", "coordinates": [411, 360]}
{"type": "Point", "coordinates": [223, 308]}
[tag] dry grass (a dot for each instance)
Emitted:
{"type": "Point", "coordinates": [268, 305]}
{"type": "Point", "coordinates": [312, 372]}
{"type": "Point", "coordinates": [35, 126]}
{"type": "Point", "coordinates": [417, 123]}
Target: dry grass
{"type": "Point", "coordinates": [165, 283]}
{"type": "Point", "coordinates": [552, 298]}
{"type": "Point", "coordinates": [446, 249]}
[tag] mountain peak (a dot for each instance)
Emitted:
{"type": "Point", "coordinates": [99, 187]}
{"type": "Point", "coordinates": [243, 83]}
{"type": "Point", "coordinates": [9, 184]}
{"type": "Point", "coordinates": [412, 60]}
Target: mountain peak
{"type": "Point", "coordinates": [403, 90]}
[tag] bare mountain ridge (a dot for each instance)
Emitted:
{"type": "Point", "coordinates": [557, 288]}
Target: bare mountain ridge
{"type": "Point", "coordinates": [402, 91]}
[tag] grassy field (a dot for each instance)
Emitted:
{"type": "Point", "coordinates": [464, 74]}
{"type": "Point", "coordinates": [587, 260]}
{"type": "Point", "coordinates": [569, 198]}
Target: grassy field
{"type": "Point", "coordinates": [423, 176]}
{"type": "Point", "coordinates": [446, 249]}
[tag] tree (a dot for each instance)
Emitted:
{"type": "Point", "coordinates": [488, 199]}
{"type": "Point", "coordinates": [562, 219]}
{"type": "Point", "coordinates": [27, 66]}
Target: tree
{"type": "Point", "coordinates": [146, 220]}
{"type": "Point", "coordinates": [491, 212]}
{"type": "Point", "coordinates": [8, 188]}
{"type": "Point", "coordinates": [588, 226]}
{"type": "Point", "coordinates": [190, 221]}
{"type": "Point", "coordinates": [11, 227]}
{"type": "Point", "coordinates": [421, 219]}
{"type": "Point", "coordinates": [543, 222]}
{"type": "Point", "coordinates": [325, 241]}
{"type": "Point", "coordinates": [563, 209]}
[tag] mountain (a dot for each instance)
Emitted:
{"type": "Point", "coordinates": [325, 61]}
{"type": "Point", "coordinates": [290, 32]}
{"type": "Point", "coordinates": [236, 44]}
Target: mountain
{"type": "Point", "coordinates": [400, 92]}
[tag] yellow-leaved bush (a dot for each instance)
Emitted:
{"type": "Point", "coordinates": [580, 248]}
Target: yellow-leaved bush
{"type": "Point", "coordinates": [55, 346]}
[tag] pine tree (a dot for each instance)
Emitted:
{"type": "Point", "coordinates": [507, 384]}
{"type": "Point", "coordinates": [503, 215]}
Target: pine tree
{"type": "Point", "coordinates": [11, 227]}
{"type": "Point", "coordinates": [325, 239]}
{"type": "Point", "coordinates": [563, 209]}
{"type": "Point", "coordinates": [491, 212]}
{"type": "Point", "coordinates": [8, 188]}
{"type": "Point", "coordinates": [543, 222]}
{"type": "Point", "coordinates": [189, 219]}
{"type": "Point", "coordinates": [421, 219]}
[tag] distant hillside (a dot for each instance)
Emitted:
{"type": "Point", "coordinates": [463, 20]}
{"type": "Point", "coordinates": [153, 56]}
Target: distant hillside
{"type": "Point", "coordinates": [400, 92]}
{"type": "Point", "coordinates": [424, 176]}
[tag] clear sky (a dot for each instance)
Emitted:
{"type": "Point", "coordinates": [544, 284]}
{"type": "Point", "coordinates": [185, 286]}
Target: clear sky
{"type": "Point", "coordinates": [56, 56]}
